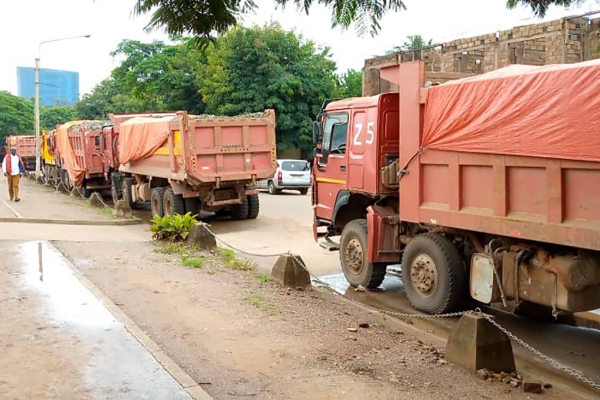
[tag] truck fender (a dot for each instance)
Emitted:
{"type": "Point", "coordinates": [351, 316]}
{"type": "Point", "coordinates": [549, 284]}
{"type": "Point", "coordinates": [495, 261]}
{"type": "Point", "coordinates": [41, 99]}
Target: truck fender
{"type": "Point", "coordinates": [382, 227]}
{"type": "Point", "coordinates": [343, 199]}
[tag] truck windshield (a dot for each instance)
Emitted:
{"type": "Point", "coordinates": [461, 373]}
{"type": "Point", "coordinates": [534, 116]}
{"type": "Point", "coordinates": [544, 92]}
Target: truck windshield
{"type": "Point", "coordinates": [296, 165]}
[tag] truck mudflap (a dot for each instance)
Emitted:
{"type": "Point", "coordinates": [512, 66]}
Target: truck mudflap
{"type": "Point", "coordinates": [382, 225]}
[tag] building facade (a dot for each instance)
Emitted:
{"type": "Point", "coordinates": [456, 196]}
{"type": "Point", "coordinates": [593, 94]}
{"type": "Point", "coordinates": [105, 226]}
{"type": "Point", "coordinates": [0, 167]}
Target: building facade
{"type": "Point", "coordinates": [57, 87]}
{"type": "Point", "coordinates": [567, 40]}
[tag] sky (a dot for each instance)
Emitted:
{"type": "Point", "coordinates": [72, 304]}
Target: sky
{"type": "Point", "coordinates": [25, 23]}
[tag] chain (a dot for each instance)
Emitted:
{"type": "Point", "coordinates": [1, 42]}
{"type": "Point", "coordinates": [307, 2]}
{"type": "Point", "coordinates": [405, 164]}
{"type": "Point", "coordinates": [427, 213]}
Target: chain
{"type": "Point", "coordinates": [555, 364]}
{"type": "Point", "coordinates": [578, 375]}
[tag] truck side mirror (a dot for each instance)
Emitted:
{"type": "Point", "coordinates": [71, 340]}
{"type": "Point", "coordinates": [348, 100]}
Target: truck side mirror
{"type": "Point", "coordinates": [316, 132]}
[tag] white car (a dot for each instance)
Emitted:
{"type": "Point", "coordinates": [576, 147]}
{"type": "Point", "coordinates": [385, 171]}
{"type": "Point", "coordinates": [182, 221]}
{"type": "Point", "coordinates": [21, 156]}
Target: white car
{"type": "Point", "coordinates": [291, 175]}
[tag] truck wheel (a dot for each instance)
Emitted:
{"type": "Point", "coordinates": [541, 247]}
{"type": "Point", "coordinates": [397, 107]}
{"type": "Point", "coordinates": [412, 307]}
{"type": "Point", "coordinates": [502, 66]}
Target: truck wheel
{"type": "Point", "coordinates": [173, 203]}
{"type": "Point", "coordinates": [240, 211]}
{"type": "Point", "coordinates": [272, 188]}
{"type": "Point", "coordinates": [353, 257]}
{"type": "Point", "coordinates": [156, 202]}
{"type": "Point", "coordinates": [433, 273]}
{"type": "Point", "coordinates": [85, 191]}
{"type": "Point", "coordinates": [253, 206]}
{"type": "Point", "coordinates": [126, 191]}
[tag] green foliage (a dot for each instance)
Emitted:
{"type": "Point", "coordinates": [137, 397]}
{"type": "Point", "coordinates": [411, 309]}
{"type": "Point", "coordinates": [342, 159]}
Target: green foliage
{"type": "Point", "coordinates": [202, 18]}
{"type": "Point", "coordinates": [16, 115]}
{"type": "Point", "coordinates": [412, 42]}
{"type": "Point", "coordinates": [261, 278]}
{"type": "Point", "coordinates": [51, 116]}
{"type": "Point", "coordinates": [192, 262]}
{"type": "Point", "coordinates": [540, 7]}
{"type": "Point", "coordinates": [349, 84]}
{"type": "Point", "coordinates": [171, 248]}
{"type": "Point", "coordinates": [250, 69]}
{"type": "Point", "coordinates": [151, 77]}
{"type": "Point", "coordinates": [172, 228]}
{"type": "Point", "coordinates": [230, 260]}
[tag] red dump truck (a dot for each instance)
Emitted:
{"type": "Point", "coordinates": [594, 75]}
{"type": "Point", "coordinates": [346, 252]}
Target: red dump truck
{"type": "Point", "coordinates": [81, 148]}
{"type": "Point", "coordinates": [186, 163]}
{"type": "Point", "coordinates": [25, 145]}
{"type": "Point", "coordinates": [489, 184]}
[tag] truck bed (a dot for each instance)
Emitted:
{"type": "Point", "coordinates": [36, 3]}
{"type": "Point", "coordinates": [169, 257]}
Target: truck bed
{"type": "Point", "coordinates": [529, 167]}
{"type": "Point", "coordinates": [198, 149]}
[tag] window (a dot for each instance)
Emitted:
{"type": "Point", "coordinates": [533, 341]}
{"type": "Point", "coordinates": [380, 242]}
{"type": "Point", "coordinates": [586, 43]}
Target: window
{"type": "Point", "coordinates": [97, 142]}
{"type": "Point", "coordinates": [296, 165]}
{"type": "Point", "coordinates": [335, 133]}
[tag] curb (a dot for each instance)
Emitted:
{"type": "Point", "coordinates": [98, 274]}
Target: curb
{"type": "Point", "coordinates": [182, 377]}
{"type": "Point", "coordinates": [120, 222]}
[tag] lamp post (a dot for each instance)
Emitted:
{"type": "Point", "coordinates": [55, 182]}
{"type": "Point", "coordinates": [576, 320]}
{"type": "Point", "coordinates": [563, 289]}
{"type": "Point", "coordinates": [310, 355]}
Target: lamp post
{"type": "Point", "coordinates": [37, 100]}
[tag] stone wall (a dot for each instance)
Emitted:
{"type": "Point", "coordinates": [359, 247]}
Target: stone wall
{"type": "Point", "coordinates": [561, 41]}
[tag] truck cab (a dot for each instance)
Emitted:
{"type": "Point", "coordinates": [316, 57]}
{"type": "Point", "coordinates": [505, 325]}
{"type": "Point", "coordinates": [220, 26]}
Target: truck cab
{"type": "Point", "coordinates": [355, 168]}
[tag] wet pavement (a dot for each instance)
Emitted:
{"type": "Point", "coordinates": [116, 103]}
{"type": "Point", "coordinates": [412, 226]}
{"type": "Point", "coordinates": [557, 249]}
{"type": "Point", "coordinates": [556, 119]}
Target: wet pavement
{"type": "Point", "coordinates": [59, 341]}
{"type": "Point", "coordinates": [575, 347]}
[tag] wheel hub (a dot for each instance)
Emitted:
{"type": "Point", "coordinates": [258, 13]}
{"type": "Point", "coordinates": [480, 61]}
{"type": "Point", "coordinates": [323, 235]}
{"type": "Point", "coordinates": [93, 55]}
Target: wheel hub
{"type": "Point", "coordinates": [423, 274]}
{"type": "Point", "coordinates": [354, 256]}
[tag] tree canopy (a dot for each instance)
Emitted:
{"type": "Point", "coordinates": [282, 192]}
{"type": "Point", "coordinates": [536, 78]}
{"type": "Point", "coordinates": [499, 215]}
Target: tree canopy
{"type": "Point", "coordinates": [251, 69]}
{"type": "Point", "coordinates": [16, 115]}
{"type": "Point", "coordinates": [540, 7]}
{"type": "Point", "coordinates": [52, 116]}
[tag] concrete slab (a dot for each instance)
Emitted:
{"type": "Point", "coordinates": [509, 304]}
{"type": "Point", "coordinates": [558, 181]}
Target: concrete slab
{"type": "Point", "coordinates": [59, 341]}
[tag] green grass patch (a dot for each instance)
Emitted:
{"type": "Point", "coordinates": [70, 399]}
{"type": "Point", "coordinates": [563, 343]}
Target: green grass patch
{"type": "Point", "coordinates": [192, 262]}
{"type": "Point", "coordinates": [261, 278]}
{"type": "Point", "coordinates": [259, 301]}
{"type": "Point", "coordinates": [211, 271]}
{"type": "Point", "coordinates": [170, 248]}
{"type": "Point", "coordinates": [231, 261]}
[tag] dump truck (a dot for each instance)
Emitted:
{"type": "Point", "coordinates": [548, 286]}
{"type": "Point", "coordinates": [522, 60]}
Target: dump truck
{"type": "Point", "coordinates": [49, 150]}
{"type": "Point", "coordinates": [25, 145]}
{"type": "Point", "coordinates": [81, 148]}
{"type": "Point", "coordinates": [183, 163]}
{"type": "Point", "coordinates": [486, 187]}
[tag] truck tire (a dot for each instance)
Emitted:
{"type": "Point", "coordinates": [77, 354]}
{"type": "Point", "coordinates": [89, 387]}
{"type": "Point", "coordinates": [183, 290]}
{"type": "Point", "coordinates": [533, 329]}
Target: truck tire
{"type": "Point", "coordinates": [353, 257]}
{"type": "Point", "coordinates": [173, 203]}
{"type": "Point", "coordinates": [240, 211]}
{"type": "Point", "coordinates": [156, 202]}
{"type": "Point", "coordinates": [126, 192]}
{"type": "Point", "coordinates": [272, 188]}
{"type": "Point", "coordinates": [253, 206]}
{"type": "Point", "coordinates": [85, 191]}
{"type": "Point", "coordinates": [433, 273]}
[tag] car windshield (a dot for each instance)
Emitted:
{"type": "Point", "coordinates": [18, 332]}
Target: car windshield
{"type": "Point", "coordinates": [296, 165]}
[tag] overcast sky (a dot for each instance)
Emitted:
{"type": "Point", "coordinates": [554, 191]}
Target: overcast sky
{"type": "Point", "coordinates": [24, 23]}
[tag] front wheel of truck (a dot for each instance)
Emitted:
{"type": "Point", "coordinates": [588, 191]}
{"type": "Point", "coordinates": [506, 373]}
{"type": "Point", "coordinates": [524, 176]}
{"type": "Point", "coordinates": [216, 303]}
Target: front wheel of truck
{"type": "Point", "coordinates": [433, 273]}
{"type": "Point", "coordinates": [353, 257]}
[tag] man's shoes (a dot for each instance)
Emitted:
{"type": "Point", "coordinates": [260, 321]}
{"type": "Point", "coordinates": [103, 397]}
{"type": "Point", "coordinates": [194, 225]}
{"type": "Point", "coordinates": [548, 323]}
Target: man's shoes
{"type": "Point", "coordinates": [17, 200]}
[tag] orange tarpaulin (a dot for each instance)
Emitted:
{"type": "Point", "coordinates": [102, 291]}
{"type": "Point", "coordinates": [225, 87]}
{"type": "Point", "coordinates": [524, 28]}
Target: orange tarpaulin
{"type": "Point", "coordinates": [551, 111]}
{"type": "Point", "coordinates": [76, 171]}
{"type": "Point", "coordinates": [140, 137]}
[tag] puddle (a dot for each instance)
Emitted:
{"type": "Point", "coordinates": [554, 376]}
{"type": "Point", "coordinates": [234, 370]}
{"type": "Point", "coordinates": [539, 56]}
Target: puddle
{"type": "Point", "coordinates": [116, 365]}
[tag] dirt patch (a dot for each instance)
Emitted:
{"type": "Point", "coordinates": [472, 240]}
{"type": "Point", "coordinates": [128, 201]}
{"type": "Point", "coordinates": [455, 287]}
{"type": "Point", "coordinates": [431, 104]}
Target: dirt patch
{"type": "Point", "coordinates": [40, 201]}
{"type": "Point", "coordinates": [237, 334]}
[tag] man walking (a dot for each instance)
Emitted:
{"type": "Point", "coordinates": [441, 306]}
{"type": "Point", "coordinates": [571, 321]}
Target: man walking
{"type": "Point", "coordinates": [13, 168]}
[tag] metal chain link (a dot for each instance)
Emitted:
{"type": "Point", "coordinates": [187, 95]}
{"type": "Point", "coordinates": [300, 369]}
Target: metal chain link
{"type": "Point", "coordinates": [555, 364]}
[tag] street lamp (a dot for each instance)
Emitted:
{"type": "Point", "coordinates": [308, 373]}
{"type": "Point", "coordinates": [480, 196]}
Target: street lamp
{"type": "Point", "coordinates": [37, 100]}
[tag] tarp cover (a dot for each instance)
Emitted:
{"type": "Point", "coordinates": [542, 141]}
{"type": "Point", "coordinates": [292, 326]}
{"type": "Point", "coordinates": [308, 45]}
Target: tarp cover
{"type": "Point", "coordinates": [551, 111]}
{"type": "Point", "coordinates": [69, 161]}
{"type": "Point", "coordinates": [140, 137]}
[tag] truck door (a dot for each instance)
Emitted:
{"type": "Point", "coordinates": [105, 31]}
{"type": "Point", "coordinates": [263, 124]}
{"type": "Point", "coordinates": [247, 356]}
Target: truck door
{"type": "Point", "coordinates": [331, 164]}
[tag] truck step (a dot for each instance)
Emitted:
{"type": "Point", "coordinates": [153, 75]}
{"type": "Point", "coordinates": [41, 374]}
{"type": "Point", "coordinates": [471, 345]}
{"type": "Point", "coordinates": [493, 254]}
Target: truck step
{"type": "Point", "coordinates": [329, 246]}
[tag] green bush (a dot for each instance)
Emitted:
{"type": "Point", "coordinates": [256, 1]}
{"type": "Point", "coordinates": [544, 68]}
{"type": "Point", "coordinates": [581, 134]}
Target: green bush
{"type": "Point", "coordinates": [173, 228]}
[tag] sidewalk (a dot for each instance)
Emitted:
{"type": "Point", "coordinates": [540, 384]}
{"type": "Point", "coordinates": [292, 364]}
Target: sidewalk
{"type": "Point", "coordinates": [58, 340]}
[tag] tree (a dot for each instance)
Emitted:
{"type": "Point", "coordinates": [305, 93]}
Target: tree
{"type": "Point", "coordinates": [52, 116]}
{"type": "Point", "coordinates": [540, 7]}
{"type": "Point", "coordinates": [412, 42]}
{"type": "Point", "coordinates": [16, 115]}
{"type": "Point", "coordinates": [251, 69]}
{"type": "Point", "coordinates": [201, 18]}
{"type": "Point", "coordinates": [151, 77]}
{"type": "Point", "coordinates": [349, 84]}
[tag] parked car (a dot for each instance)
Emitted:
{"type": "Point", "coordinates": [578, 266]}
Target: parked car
{"type": "Point", "coordinates": [291, 175]}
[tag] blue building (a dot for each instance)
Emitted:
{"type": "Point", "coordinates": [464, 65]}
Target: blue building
{"type": "Point", "coordinates": [57, 87]}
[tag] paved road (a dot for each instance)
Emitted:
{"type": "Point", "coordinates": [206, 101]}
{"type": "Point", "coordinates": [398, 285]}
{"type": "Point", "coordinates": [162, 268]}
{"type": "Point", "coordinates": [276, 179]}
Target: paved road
{"type": "Point", "coordinates": [59, 341]}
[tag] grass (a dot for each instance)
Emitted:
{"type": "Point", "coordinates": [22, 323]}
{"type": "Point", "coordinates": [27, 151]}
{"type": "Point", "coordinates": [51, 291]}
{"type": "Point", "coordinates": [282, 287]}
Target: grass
{"type": "Point", "coordinates": [211, 271]}
{"type": "Point", "coordinates": [261, 278]}
{"type": "Point", "coordinates": [170, 248]}
{"type": "Point", "coordinates": [192, 262]}
{"type": "Point", "coordinates": [231, 261]}
{"type": "Point", "coordinates": [259, 301]}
